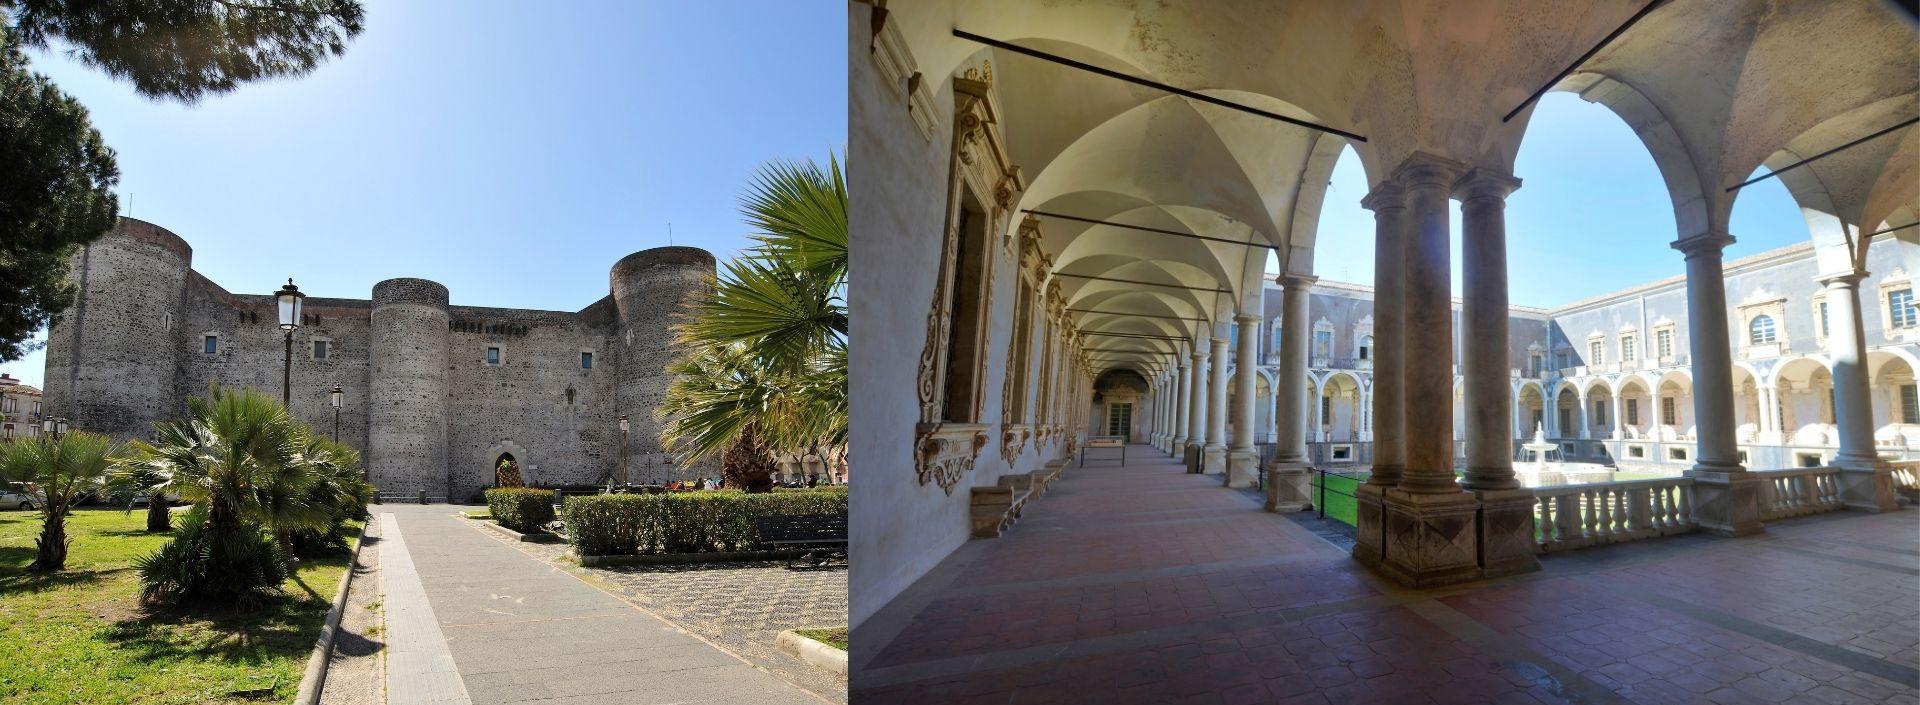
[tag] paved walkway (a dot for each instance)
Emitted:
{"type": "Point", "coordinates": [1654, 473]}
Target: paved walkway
{"type": "Point", "coordinates": [1145, 584]}
{"type": "Point", "coordinates": [471, 619]}
{"type": "Point", "coordinates": [743, 607]}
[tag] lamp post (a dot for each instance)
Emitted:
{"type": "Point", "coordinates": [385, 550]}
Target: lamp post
{"type": "Point", "coordinates": [54, 426]}
{"type": "Point", "coordinates": [289, 297]}
{"type": "Point", "coordinates": [337, 393]}
{"type": "Point", "coordinates": [626, 477]}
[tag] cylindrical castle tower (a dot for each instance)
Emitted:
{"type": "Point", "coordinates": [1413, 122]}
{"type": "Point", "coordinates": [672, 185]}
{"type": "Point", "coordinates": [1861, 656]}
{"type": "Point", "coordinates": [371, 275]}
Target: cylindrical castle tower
{"type": "Point", "coordinates": [113, 359]}
{"type": "Point", "coordinates": [650, 288]}
{"type": "Point", "coordinates": [407, 387]}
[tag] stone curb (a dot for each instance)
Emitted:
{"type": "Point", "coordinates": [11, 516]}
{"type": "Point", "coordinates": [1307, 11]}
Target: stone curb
{"type": "Point", "coordinates": [315, 679]}
{"type": "Point", "coordinates": [672, 558]}
{"type": "Point", "coordinates": [538, 537]}
{"type": "Point", "coordinates": [816, 654]}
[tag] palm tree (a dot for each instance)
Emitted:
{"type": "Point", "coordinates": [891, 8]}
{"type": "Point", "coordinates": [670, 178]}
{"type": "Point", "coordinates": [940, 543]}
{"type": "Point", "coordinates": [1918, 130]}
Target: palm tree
{"type": "Point", "coordinates": [767, 366]}
{"type": "Point", "coordinates": [65, 469]}
{"type": "Point", "coordinates": [239, 456]}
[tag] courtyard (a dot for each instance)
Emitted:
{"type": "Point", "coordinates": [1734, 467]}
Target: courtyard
{"type": "Point", "coordinates": [1147, 584]}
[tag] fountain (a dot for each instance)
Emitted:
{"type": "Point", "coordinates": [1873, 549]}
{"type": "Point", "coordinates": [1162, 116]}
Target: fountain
{"type": "Point", "coordinates": [1540, 465]}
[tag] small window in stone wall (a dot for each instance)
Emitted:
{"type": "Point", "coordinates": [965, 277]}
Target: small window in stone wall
{"type": "Point", "coordinates": [320, 350]}
{"type": "Point", "coordinates": [1909, 403]}
{"type": "Point", "coordinates": [1676, 454]}
{"type": "Point", "coordinates": [493, 356]}
{"type": "Point", "coordinates": [570, 395]}
{"type": "Point", "coordinates": [586, 360]}
{"type": "Point", "coordinates": [210, 344]}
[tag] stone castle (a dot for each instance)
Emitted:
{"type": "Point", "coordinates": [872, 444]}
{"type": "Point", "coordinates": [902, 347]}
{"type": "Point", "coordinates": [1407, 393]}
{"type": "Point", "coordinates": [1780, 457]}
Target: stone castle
{"type": "Point", "coordinates": [434, 394]}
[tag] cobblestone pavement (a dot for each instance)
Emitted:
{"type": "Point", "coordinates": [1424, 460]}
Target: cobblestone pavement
{"type": "Point", "coordinates": [740, 606]}
{"type": "Point", "coordinates": [1144, 584]}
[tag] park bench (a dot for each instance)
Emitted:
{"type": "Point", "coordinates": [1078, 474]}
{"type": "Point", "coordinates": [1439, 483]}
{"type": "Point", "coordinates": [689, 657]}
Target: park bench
{"type": "Point", "coordinates": [823, 536]}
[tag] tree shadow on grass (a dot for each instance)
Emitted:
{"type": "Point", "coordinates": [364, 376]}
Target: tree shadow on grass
{"type": "Point", "coordinates": [281, 626]}
{"type": "Point", "coordinates": [14, 577]}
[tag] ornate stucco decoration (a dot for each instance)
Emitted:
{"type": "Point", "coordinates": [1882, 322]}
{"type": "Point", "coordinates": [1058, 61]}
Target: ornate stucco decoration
{"type": "Point", "coordinates": [948, 441]}
{"type": "Point", "coordinates": [945, 453]}
{"type": "Point", "coordinates": [1013, 441]}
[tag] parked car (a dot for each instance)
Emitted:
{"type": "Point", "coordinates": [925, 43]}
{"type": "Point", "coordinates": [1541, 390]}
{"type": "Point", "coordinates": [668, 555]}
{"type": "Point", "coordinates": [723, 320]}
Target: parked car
{"type": "Point", "coordinates": [14, 495]}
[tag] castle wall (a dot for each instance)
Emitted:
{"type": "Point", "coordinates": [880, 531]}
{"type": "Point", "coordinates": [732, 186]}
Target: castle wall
{"type": "Point", "coordinates": [521, 406]}
{"type": "Point", "coordinates": [420, 402]}
{"type": "Point", "coordinates": [113, 359]}
{"type": "Point", "coordinates": [644, 284]}
{"type": "Point", "coordinates": [252, 348]}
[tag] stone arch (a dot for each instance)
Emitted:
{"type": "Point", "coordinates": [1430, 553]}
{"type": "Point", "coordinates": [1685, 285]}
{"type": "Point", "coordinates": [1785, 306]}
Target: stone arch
{"type": "Point", "coordinates": [521, 458]}
{"type": "Point", "coordinates": [1690, 189]}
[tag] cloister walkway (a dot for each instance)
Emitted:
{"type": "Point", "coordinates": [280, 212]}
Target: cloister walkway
{"type": "Point", "coordinates": [1144, 584]}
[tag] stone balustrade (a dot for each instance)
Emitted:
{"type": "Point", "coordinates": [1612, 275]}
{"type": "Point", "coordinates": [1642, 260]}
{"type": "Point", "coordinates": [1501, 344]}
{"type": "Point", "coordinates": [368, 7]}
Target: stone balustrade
{"type": "Point", "coordinates": [1798, 492]}
{"type": "Point", "coordinates": [1906, 474]}
{"type": "Point", "coordinates": [1577, 516]}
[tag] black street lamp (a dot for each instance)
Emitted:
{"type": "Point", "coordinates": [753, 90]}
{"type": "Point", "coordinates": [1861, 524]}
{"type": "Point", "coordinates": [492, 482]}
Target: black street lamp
{"type": "Point", "coordinates": [289, 297]}
{"type": "Point", "coordinates": [337, 393]}
{"type": "Point", "coordinates": [54, 426]}
{"type": "Point", "coordinates": [626, 477]}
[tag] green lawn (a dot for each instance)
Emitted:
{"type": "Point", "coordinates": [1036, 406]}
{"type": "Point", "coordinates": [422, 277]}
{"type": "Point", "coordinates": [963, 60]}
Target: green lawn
{"type": "Point", "coordinates": [836, 638]}
{"type": "Point", "coordinates": [81, 636]}
{"type": "Point", "coordinates": [1340, 503]}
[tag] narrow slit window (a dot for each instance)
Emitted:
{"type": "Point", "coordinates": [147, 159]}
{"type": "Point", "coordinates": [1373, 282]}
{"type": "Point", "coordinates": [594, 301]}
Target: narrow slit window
{"type": "Point", "coordinates": [586, 361]}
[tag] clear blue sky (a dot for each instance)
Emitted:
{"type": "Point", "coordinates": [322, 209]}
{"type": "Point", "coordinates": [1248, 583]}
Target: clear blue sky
{"type": "Point", "coordinates": [1592, 215]}
{"type": "Point", "coordinates": [510, 150]}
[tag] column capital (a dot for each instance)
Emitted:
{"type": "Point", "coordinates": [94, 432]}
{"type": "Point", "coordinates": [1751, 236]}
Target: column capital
{"type": "Point", "coordinates": [1482, 183]}
{"type": "Point", "coordinates": [1199, 356]}
{"type": "Point", "coordinates": [1843, 280]}
{"type": "Point", "coordinates": [1711, 242]}
{"type": "Point", "coordinates": [1386, 194]}
{"type": "Point", "coordinates": [1220, 342]}
{"type": "Point", "coordinates": [1290, 280]}
{"type": "Point", "coordinates": [1425, 171]}
{"type": "Point", "coordinates": [1247, 319]}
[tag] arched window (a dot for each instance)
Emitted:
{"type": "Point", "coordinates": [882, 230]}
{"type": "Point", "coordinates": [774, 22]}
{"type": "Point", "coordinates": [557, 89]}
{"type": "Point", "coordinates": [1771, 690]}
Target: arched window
{"type": "Point", "coordinates": [1366, 347]}
{"type": "Point", "coordinates": [1760, 330]}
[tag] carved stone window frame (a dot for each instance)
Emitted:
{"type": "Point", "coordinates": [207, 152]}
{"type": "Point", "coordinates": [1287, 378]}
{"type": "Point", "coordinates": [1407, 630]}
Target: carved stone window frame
{"type": "Point", "coordinates": [1763, 305]}
{"type": "Point", "coordinates": [980, 171]}
{"type": "Point", "coordinates": [1894, 281]}
{"type": "Point", "coordinates": [1673, 343]}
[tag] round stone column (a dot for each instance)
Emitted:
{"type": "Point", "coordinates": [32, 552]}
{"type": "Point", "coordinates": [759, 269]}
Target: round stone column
{"type": "Point", "coordinates": [1489, 388]}
{"type": "Point", "coordinates": [1214, 458]}
{"type": "Point", "coordinates": [1726, 496]}
{"type": "Point", "coordinates": [1242, 462]}
{"type": "Point", "coordinates": [1389, 206]}
{"type": "Point", "coordinates": [1183, 404]}
{"type": "Point", "coordinates": [1866, 482]}
{"type": "Point", "coordinates": [1287, 476]}
{"type": "Point", "coordinates": [1197, 410]}
{"type": "Point", "coordinates": [1428, 377]}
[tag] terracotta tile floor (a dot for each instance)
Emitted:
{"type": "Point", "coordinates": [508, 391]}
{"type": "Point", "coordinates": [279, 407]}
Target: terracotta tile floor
{"type": "Point", "coordinates": [1144, 584]}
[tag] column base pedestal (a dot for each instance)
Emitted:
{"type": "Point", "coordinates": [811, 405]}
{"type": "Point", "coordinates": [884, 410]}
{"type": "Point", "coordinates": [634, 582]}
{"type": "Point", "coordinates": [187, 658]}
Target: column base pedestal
{"type": "Point", "coordinates": [1190, 456]}
{"type": "Point", "coordinates": [1866, 485]}
{"type": "Point", "coordinates": [1431, 539]}
{"type": "Point", "coordinates": [1243, 468]}
{"type": "Point", "coordinates": [1507, 543]}
{"type": "Point", "coordinates": [1213, 460]}
{"type": "Point", "coordinates": [1370, 525]}
{"type": "Point", "coordinates": [1287, 485]}
{"type": "Point", "coordinates": [1726, 503]}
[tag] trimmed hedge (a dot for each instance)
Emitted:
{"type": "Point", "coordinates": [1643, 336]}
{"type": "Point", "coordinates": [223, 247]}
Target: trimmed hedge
{"type": "Point", "coordinates": [522, 509]}
{"type": "Point", "coordinates": [684, 522]}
